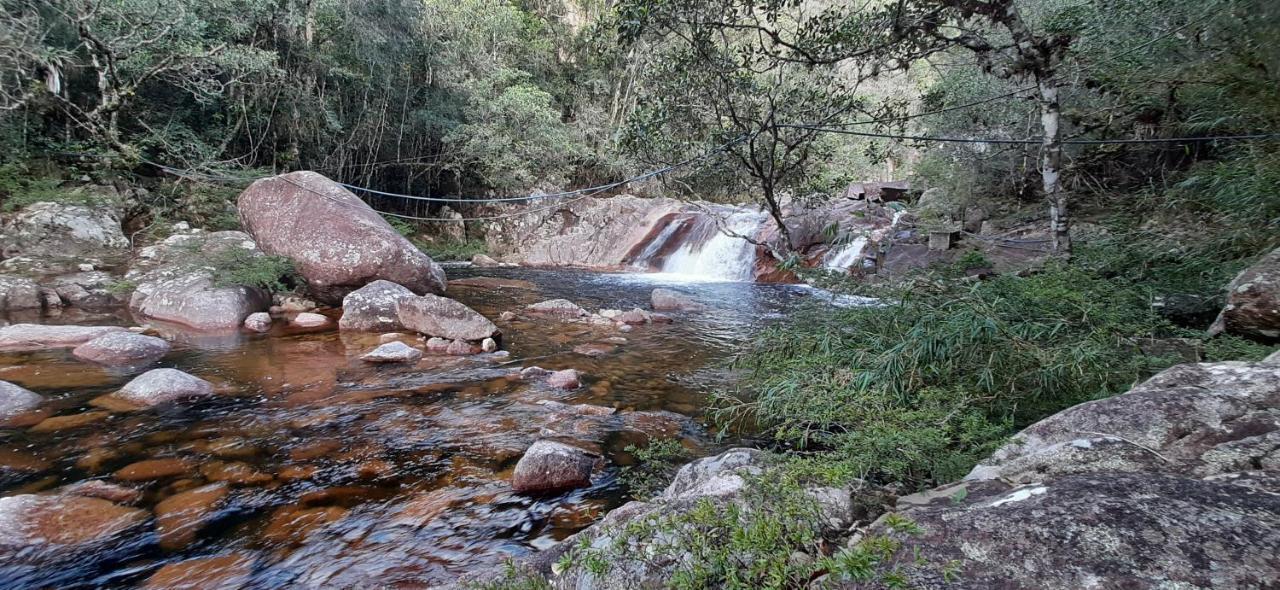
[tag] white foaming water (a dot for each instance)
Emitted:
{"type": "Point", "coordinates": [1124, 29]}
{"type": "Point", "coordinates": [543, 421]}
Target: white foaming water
{"type": "Point", "coordinates": [845, 257]}
{"type": "Point", "coordinates": [722, 257]}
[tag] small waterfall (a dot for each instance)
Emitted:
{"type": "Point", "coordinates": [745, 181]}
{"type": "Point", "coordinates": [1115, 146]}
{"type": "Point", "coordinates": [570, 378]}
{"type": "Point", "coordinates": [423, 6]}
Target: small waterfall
{"type": "Point", "coordinates": [846, 256]}
{"type": "Point", "coordinates": [719, 255]}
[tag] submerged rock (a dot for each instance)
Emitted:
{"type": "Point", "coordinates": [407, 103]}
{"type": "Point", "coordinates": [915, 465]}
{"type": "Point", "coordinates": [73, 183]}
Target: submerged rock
{"type": "Point", "coordinates": [181, 516]}
{"type": "Point", "coordinates": [50, 540]}
{"type": "Point", "coordinates": [40, 336]}
{"type": "Point", "coordinates": [1253, 301]}
{"type": "Point", "coordinates": [336, 241]}
{"type": "Point", "coordinates": [669, 300]}
{"type": "Point", "coordinates": [565, 379]}
{"type": "Point", "coordinates": [549, 466]}
{"type": "Point", "coordinates": [122, 349]}
{"type": "Point", "coordinates": [558, 307]}
{"type": "Point", "coordinates": [373, 307]}
{"type": "Point", "coordinates": [224, 572]}
{"type": "Point", "coordinates": [15, 400]}
{"type": "Point", "coordinates": [159, 386]}
{"type": "Point", "coordinates": [393, 352]}
{"type": "Point", "coordinates": [443, 317]}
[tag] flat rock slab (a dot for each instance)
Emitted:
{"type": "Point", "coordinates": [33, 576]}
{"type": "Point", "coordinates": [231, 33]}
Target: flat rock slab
{"type": "Point", "coordinates": [39, 336]}
{"type": "Point", "coordinates": [557, 307]}
{"type": "Point", "coordinates": [122, 349]}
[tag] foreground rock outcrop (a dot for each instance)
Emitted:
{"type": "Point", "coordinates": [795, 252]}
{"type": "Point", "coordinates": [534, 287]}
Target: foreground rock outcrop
{"type": "Point", "coordinates": [1173, 484]}
{"type": "Point", "coordinates": [336, 241]}
{"type": "Point", "coordinates": [63, 230]}
{"type": "Point", "coordinates": [1253, 302]}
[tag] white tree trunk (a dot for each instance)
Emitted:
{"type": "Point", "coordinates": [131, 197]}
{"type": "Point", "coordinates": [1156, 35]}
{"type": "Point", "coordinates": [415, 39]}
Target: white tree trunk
{"type": "Point", "coordinates": [1051, 167]}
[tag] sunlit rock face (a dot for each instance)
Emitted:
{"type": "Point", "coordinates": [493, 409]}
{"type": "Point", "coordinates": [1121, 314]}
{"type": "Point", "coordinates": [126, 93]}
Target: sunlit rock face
{"type": "Point", "coordinates": [336, 241]}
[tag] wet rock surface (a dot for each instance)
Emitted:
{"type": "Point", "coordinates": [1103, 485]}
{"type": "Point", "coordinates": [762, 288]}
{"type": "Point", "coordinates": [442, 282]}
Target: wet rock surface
{"type": "Point", "coordinates": [122, 349]}
{"type": "Point", "coordinates": [671, 300]}
{"type": "Point", "coordinates": [549, 466]}
{"type": "Point", "coordinates": [372, 308]}
{"type": "Point", "coordinates": [337, 242]}
{"type": "Point", "coordinates": [16, 400]}
{"type": "Point", "coordinates": [48, 539]}
{"type": "Point", "coordinates": [443, 317]}
{"type": "Point", "coordinates": [159, 386]}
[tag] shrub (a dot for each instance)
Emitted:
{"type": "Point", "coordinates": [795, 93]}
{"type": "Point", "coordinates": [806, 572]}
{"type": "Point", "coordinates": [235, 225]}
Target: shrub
{"type": "Point", "coordinates": [656, 464]}
{"type": "Point", "coordinates": [238, 266]}
{"type": "Point", "coordinates": [452, 250]}
{"type": "Point", "coordinates": [916, 392]}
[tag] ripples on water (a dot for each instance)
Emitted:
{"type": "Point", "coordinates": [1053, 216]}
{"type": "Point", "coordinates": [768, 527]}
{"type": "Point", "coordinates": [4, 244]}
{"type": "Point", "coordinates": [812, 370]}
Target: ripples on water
{"type": "Point", "coordinates": [341, 474]}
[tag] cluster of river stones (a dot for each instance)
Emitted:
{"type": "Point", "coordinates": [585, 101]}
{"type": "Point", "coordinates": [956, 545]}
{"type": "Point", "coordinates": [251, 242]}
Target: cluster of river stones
{"type": "Point", "coordinates": [350, 258]}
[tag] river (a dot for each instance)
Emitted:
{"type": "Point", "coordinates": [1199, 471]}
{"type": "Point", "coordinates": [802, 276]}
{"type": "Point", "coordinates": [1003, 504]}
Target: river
{"type": "Point", "coordinates": [335, 473]}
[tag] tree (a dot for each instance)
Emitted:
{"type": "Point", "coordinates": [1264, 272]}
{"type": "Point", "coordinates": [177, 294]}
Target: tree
{"type": "Point", "coordinates": [710, 90]}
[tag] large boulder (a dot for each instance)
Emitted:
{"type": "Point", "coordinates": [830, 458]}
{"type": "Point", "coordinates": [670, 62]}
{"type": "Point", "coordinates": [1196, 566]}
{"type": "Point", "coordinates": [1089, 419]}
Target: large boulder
{"type": "Point", "coordinates": [174, 282]}
{"type": "Point", "coordinates": [41, 336]}
{"type": "Point", "coordinates": [159, 386]}
{"type": "Point", "coordinates": [1253, 302]}
{"type": "Point", "coordinates": [192, 299]}
{"type": "Point", "coordinates": [1095, 530]}
{"type": "Point", "coordinates": [372, 308]}
{"type": "Point", "coordinates": [337, 242]}
{"type": "Point", "coordinates": [54, 541]}
{"type": "Point", "coordinates": [63, 230]}
{"type": "Point", "coordinates": [122, 349]}
{"type": "Point", "coordinates": [18, 293]}
{"type": "Point", "coordinates": [1195, 419]}
{"type": "Point", "coordinates": [16, 400]}
{"type": "Point", "coordinates": [550, 466]}
{"type": "Point", "coordinates": [443, 317]}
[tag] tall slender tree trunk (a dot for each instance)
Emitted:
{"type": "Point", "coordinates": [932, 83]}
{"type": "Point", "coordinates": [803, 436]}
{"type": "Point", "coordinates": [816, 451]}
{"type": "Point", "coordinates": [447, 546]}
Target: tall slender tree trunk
{"type": "Point", "coordinates": [1051, 166]}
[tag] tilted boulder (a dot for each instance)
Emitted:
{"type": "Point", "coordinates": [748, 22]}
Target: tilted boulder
{"type": "Point", "coordinates": [1253, 302]}
{"type": "Point", "coordinates": [336, 241]}
{"type": "Point", "coordinates": [122, 349]}
{"type": "Point", "coordinates": [443, 317]}
{"type": "Point", "coordinates": [372, 308]}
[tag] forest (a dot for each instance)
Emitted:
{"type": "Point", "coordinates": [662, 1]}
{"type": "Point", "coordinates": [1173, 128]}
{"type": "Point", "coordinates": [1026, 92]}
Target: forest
{"type": "Point", "coordinates": [1103, 177]}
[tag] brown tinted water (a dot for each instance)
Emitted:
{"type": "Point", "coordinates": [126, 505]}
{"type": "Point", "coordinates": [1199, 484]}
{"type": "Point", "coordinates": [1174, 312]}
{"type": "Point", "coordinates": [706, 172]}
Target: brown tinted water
{"type": "Point", "coordinates": [313, 469]}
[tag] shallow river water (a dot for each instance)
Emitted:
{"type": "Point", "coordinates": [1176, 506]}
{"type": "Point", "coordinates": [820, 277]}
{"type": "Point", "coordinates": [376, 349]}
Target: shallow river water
{"type": "Point", "coordinates": [331, 473]}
